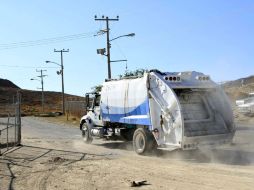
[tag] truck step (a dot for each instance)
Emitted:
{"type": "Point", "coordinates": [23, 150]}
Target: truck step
{"type": "Point", "coordinates": [169, 148]}
{"type": "Point", "coordinates": [108, 135]}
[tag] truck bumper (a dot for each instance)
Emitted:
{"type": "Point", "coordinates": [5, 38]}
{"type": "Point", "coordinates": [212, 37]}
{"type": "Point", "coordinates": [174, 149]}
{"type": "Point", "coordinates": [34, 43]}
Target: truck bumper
{"type": "Point", "coordinates": [190, 143]}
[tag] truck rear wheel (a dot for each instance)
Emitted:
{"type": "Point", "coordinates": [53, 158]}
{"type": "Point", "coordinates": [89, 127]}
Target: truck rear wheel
{"type": "Point", "coordinates": [86, 134]}
{"type": "Point", "coordinates": [143, 141]}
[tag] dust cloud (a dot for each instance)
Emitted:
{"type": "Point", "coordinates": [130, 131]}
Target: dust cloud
{"type": "Point", "coordinates": [239, 153]}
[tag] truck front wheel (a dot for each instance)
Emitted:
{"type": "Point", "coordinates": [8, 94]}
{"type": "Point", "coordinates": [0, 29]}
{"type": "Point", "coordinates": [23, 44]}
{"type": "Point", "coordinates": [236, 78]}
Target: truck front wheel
{"type": "Point", "coordinates": [86, 134]}
{"type": "Point", "coordinates": [142, 141]}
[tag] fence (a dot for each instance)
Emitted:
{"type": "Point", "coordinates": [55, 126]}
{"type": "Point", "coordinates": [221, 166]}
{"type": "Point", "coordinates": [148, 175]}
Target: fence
{"type": "Point", "coordinates": [10, 127]}
{"type": "Point", "coordinates": [75, 108]}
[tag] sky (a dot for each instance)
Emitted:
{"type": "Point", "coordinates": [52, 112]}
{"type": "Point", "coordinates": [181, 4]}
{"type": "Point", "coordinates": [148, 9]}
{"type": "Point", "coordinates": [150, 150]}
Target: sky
{"type": "Point", "coordinates": [213, 36]}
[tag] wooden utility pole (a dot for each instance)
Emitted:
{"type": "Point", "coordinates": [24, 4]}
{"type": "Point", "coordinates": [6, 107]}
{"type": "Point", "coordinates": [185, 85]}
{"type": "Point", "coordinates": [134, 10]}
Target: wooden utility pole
{"type": "Point", "coordinates": [42, 88]}
{"type": "Point", "coordinates": [62, 74]}
{"type": "Point", "coordinates": [108, 41]}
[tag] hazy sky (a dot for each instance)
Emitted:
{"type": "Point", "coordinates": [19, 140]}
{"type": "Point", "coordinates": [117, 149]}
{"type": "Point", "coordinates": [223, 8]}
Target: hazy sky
{"type": "Point", "coordinates": [211, 36]}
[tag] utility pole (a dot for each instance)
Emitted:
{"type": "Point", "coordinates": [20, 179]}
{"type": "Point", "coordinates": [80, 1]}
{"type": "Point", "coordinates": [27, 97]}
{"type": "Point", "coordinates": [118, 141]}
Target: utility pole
{"type": "Point", "coordinates": [108, 41]}
{"type": "Point", "coordinates": [62, 74]}
{"type": "Point", "coordinates": [42, 87]}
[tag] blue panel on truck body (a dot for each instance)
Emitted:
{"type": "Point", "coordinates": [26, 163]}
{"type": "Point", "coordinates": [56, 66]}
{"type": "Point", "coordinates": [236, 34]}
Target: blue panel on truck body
{"type": "Point", "coordinates": [138, 115]}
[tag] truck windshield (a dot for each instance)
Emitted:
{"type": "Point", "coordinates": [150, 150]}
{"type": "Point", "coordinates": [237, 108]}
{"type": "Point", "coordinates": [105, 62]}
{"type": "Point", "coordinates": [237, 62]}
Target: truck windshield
{"type": "Point", "coordinates": [97, 100]}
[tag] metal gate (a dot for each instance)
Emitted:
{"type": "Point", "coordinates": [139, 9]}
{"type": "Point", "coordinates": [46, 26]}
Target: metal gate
{"type": "Point", "coordinates": [10, 126]}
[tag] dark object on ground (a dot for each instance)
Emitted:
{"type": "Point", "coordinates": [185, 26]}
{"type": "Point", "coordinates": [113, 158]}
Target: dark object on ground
{"type": "Point", "coordinates": [138, 183]}
{"type": "Point", "coordinates": [57, 160]}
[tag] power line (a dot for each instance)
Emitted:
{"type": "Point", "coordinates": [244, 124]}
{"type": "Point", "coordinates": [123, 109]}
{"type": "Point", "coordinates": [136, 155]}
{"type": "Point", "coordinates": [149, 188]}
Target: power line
{"type": "Point", "coordinates": [46, 41]}
{"type": "Point", "coordinates": [74, 36]}
{"type": "Point", "coordinates": [123, 54]}
{"type": "Point", "coordinates": [27, 67]}
{"type": "Point", "coordinates": [120, 50]}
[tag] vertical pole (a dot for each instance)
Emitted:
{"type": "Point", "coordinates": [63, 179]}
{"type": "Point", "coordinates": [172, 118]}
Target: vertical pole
{"type": "Point", "coordinates": [42, 93]}
{"type": "Point", "coordinates": [18, 116]}
{"type": "Point", "coordinates": [62, 74]}
{"type": "Point", "coordinates": [16, 119]}
{"type": "Point", "coordinates": [42, 88]}
{"type": "Point", "coordinates": [68, 109]}
{"type": "Point", "coordinates": [108, 40]}
{"type": "Point", "coordinates": [108, 49]}
{"type": "Point", "coordinates": [7, 132]}
{"type": "Point", "coordinates": [0, 143]}
{"type": "Point", "coordinates": [19, 119]}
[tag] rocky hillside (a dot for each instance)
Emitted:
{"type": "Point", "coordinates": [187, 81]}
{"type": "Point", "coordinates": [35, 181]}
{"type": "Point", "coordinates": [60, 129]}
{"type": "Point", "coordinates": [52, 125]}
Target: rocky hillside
{"type": "Point", "coordinates": [4, 83]}
{"type": "Point", "coordinates": [239, 88]}
{"type": "Point", "coordinates": [31, 100]}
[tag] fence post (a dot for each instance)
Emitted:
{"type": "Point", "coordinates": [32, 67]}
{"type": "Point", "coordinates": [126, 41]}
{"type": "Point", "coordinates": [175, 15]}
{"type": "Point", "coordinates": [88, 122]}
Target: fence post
{"type": "Point", "coordinates": [0, 143]}
{"type": "Point", "coordinates": [7, 133]}
{"type": "Point", "coordinates": [18, 116]}
{"type": "Point", "coordinates": [68, 109]}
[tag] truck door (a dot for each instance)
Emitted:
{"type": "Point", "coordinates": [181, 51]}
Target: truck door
{"type": "Point", "coordinates": [94, 110]}
{"type": "Point", "coordinates": [97, 111]}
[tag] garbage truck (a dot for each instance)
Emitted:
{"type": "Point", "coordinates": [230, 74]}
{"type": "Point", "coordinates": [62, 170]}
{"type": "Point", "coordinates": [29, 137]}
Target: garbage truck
{"type": "Point", "coordinates": [160, 110]}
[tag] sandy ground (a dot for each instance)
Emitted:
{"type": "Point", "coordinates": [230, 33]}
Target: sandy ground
{"type": "Point", "coordinates": [53, 156]}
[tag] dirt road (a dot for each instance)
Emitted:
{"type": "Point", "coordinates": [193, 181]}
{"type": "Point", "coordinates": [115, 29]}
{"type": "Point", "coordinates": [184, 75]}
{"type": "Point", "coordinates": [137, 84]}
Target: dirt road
{"type": "Point", "coordinates": [53, 156]}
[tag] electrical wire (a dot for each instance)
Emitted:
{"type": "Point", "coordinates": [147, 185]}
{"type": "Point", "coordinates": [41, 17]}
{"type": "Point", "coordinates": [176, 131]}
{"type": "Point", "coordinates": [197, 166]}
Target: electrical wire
{"type": "Point", "coordinates": [46, 41]}
{"type": "Point", "coordinates": [120, 50]}
{"type": "Point", "coordinates": [27, 67]}
{"type": "Point", "coordinates": [123, 54]}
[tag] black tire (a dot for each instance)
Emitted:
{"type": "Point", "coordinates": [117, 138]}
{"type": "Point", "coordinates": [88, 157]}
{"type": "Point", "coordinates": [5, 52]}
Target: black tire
{"type": "Point", "coordinates": [86, 135]}
{"type": "Point", "coordinates": [143, 141]}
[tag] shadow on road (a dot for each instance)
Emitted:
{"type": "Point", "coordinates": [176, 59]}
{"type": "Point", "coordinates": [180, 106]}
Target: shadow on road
{"type": "Point", "coordinates": [117, 145]}
{"type": "Point", "coordinates": [24, 157]}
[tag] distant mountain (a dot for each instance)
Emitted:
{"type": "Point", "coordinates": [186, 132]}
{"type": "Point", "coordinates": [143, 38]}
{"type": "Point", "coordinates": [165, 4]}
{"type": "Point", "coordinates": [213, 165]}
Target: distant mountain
{"type": "Point", "coordinates": [239, 82]}
{"type": "Point", "coordinates": [239, 88]}
{"type": "Point", "coordinates": [7, 84]}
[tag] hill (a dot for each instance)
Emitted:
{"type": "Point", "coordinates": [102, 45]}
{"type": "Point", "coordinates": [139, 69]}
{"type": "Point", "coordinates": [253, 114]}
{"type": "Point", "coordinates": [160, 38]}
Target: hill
{"type": "Point", "coordinates": [4, 83]}
{"type": "Point", "coordinates": [239, 88]}
{"type": "Point", "coordinates": [31, 100]}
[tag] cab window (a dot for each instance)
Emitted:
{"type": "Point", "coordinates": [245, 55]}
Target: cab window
{"type": "Point", "coordinates": [97, 100]}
